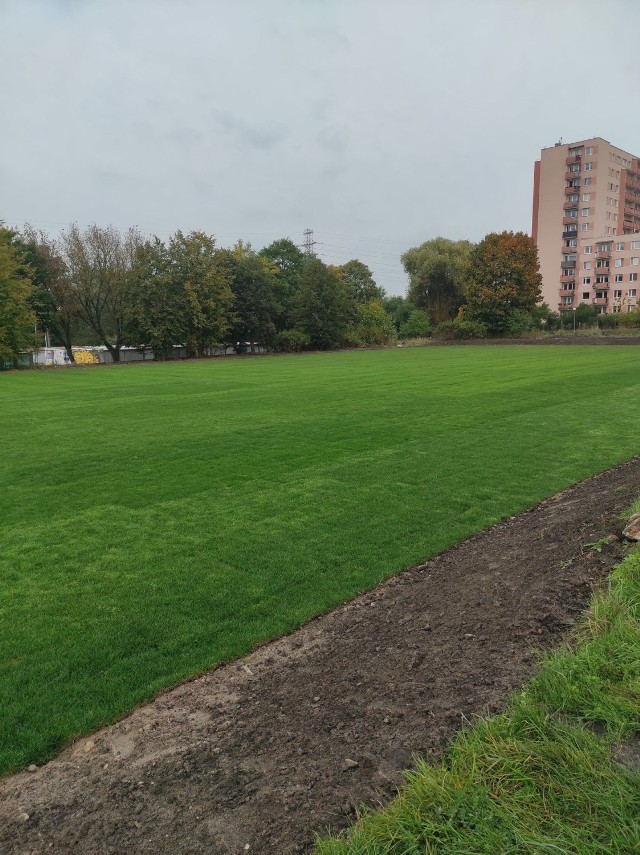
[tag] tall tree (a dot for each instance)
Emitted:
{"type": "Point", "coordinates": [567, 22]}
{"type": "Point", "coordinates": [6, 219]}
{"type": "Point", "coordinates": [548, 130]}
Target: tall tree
{"type": "Point", "coordinates": [325, 305]}
{"type": "Point", "coordinates": [54, 299]}
{"type": "Point", "coordinates": [99, 262]}
{"type": "Point", "coordinates": [17, 319]}
{"type": "Point", "coordinates": [289, 260]}
{"type": "Point", "coordinates": [182, 295]}
{"type": "Point", "coordinates": [503, 278]}
{"type": "Point", "coordinates": [255, 309]}
{"type": "Point", "coordinates": [359, 278]}
{"type": "Point", "coordinates": [198, 269]}
{"type": "Point", "coordinates": [158, 316]}
{"type": "Point", "coordinates": [399, 309]}
{"type": "Point", "coordinates": [436, 271]}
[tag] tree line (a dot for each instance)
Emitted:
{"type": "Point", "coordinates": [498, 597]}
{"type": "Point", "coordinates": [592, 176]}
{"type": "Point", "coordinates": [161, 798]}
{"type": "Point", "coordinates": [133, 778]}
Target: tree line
{"type": "Point", "coordinates": [103, 286]}
{"type": "Point", "coordinates": [100, 285]}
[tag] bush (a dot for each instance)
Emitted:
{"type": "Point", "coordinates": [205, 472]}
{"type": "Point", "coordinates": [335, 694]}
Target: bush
{"type": "Point", "coordinates": [291, 341]}
{"type": "Point", "coordinates": [460, 328]}
{"type": "Point", "coordinates": [544, 318]}
{"type": "Point", "coordinates": [373, 326]}
{"type": "Point", "coordinates": [607, 322]}
{"type": "Point", "coordinates": [585, 316]}
{"type": "Point", "coordinates": [417, 325]}
{"type": "Point", "coordinates": [518, 323]}
{"type": "Point", "coordinates": [629, 319]}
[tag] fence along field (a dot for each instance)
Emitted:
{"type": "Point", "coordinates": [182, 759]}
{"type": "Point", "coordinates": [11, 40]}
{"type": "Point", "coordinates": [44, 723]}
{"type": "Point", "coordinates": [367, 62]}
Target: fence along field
{"type": "Point", "coordinates": [158, 519]}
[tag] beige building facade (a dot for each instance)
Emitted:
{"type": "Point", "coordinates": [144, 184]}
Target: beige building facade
{"type": "Point", "coordinates": [586, 224]}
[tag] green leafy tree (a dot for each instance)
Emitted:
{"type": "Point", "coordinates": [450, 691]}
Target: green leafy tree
{"type": "Point", "coordinates": [503, 278]}
{"type": "Point", "coordinates": [255, 309]}
{"type": "Point", "coordinates": [54, 300]}
{"type": "Point", "coordinates": [437, 270]}
{"type": "Point", "coordinates": [325, 306]}
{"type": "Point", "coordinates": [159, 317]}
{"type": "Point", "coordinates": [373, 326]}
{"type": "Point", "coordinates": [399, 310]}
{"type": "Point", "coordinates": [359, 279]}
{"type": "Point", "coordinates": [289, 260]}
{"type": "Point", "coordinates": [17, 318]}
{"type": "Point", "coordinates": [99, 263]}
{"type": "Point", "coordinates": [182, 295]}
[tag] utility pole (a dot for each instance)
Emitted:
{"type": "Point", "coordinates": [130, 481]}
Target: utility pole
{"type": "Point", "coordinates": [309, 242]}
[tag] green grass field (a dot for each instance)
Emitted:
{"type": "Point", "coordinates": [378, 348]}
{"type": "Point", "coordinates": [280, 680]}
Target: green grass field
{"type": "Point", "coordinates": [157, 519]}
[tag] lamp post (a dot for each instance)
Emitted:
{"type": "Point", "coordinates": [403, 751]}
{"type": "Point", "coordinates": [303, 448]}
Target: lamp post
{"type": "Point", "coordinates": [574, 319]}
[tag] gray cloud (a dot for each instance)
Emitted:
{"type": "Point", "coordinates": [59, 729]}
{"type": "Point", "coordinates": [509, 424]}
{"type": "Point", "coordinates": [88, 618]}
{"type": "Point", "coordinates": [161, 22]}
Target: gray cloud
{"type": "Point", "coordinates": [261, 135]}
{"type": "Point", "coordinates": [379, 124]}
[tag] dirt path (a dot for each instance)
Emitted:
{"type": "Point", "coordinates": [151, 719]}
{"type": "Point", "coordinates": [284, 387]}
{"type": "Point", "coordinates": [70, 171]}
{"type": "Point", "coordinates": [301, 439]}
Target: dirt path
{"type": "Point", "coordinates": [285, 742]}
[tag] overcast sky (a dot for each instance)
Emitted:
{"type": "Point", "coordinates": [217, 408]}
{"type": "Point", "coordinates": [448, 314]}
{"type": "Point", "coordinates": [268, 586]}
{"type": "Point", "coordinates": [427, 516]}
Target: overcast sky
{"type": "Point", "coordinates": [378, 123]}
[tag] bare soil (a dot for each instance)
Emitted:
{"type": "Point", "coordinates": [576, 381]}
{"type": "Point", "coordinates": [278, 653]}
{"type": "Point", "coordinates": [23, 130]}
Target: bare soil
{"type": "Point", "coordinates": [264, 752]}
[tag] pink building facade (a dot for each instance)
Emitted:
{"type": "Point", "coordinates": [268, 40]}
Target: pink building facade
{"type": "Point", "coordinates": [586, 224]}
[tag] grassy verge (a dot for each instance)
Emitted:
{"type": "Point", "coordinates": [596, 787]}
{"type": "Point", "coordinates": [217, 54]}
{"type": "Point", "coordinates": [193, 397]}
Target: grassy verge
{"type": "Point", "coordinates": [158, 519]}
{"type": "Point", "coordinates": [535, 779]}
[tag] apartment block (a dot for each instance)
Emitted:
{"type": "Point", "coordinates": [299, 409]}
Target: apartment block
{"type": "Point", "coordinates": [586, 224]}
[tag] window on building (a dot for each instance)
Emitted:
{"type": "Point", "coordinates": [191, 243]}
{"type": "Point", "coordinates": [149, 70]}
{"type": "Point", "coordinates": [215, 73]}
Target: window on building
{"type": "Point", "coordinates": [617, 294]}
{"type": "Point", "coordinates": [588, 166]}
{"type": "Point", "coordinates": [632, 292]}
{"type": "Point", "coordinates": [589, 149]}
{"type": "Point", "coordinates": [618, 262]}
{"type": "Point", "coordinates": [586, 197]}
{"type": "Point", "coordinates": [585, 212]}
{"type": "Point", "coordinates": [602, 279]}
{"type": "Point", "coordinates": [619, 247]}
{"type": "Point", "coordinates": [585, 227]}
{"type": "Point", "coordinates": [587, 265]}
{"type": "Point", "coordinates": [633, 277]}
{"type": "Point", "coordinates": [587, 250]}
{"type": "Point", "coordinates": [587, 182]}
{"type": "Point", "coordinates": [634, 261]}
{"type": "Point", "coordinates": [635, 244]}
{"type": "Point", "coordinates": [585, 295]}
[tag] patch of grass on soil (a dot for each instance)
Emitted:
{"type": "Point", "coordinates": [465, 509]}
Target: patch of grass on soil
{"type": "Point", "coordinates": [158, 519]}
{"type": "Point", "coordinates": [535, 779]}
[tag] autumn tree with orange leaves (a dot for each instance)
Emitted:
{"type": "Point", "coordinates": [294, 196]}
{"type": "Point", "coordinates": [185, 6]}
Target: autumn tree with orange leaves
{"type": "Point", "coordinates": [503, 279]}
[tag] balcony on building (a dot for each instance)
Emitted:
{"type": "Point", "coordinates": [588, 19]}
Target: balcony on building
{"type": "Point", "coordinates": [573, 158]}
{"type": "Point", "coordinates": [569, 176]}
{"type": "Point", "coordinates": [570, 233]}
{"type": "Point", "coordinates": [567, 292]}
{"type": "Point", "coordinates": [569, 205]}
{"type": "Point", "coordinates": [600, 286]}
{"type": "Point", "coordinates": [568, 190]}
{"type": "Point", "coordinates": [568, 278]}
{"type": "Point", "coordinates": [566, 221]}
{"type": "Point", "coordinates": [603, 253]}
{"type": "Point", "coordinates": [599, 301]}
